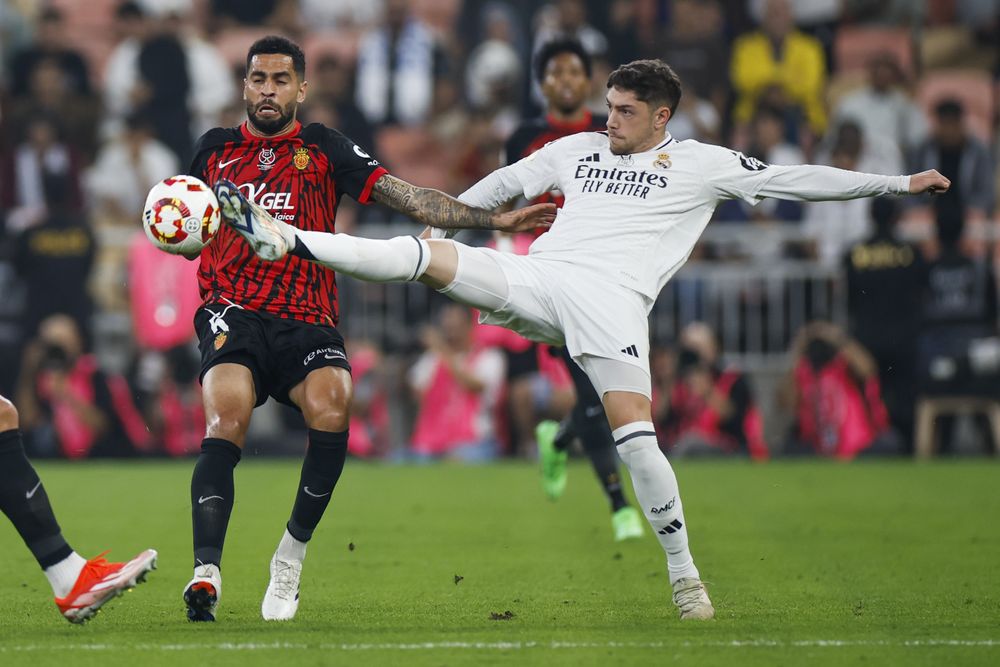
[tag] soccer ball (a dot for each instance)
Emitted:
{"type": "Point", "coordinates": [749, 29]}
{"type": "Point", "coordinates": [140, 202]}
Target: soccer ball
{"type": "Point", "coordinates": [181, 215]}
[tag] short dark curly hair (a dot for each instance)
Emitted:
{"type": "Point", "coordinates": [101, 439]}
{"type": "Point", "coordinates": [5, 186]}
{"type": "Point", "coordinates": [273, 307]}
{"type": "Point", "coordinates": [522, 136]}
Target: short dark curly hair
{"type": "Point", "coordinates": [652, 81]}
{"type": "Point", "coordinates": [283, 46]}
{"type": "Point", "coordinates": [558, 47]}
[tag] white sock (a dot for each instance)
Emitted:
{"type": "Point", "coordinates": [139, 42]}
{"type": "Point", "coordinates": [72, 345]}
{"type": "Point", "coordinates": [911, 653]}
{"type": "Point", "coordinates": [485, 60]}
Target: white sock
{"type": "Point", "coordinates": [397, 259]}
{"type": "Point", "coordinates": [656, 491]}
{"type": "Point", "coordinates": [64, 574]}
{"type": "Point", "coordinates": [290, 548]}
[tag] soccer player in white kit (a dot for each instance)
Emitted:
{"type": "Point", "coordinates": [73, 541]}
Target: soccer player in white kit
{"type": "Point", "coordinates": [636, 202]}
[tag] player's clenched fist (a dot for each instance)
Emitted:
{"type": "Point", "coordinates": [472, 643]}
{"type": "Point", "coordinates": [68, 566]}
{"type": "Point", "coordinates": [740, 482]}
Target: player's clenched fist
{"type": "Point", "coordinates": [928, 181]}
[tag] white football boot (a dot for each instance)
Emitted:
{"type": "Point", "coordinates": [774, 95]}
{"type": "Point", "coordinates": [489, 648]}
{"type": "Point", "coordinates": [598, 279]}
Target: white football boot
{"type": "Point", "coordinates": [203, 592]}
{"type": "Point", "coordinates": [692, 600]}
{"type": "Point", "coordinates": [270, 239]}
{"type": "Point", "coordinates": [281, 600]}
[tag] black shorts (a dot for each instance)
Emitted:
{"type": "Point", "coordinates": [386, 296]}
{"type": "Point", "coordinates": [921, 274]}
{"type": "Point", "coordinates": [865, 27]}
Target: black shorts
{"type": "Point", "coordinates": [280, 353]}
{"type": "Point", "coordinates": [523, 363]}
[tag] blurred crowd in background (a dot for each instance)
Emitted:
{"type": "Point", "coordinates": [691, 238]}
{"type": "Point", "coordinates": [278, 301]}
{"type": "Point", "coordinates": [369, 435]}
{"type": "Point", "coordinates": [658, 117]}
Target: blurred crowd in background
{"type": "Point", "coordinates": [892, 349]}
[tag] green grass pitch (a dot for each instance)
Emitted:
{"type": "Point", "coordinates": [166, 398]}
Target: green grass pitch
{"type": "Point", "coordinates": [809, 562]}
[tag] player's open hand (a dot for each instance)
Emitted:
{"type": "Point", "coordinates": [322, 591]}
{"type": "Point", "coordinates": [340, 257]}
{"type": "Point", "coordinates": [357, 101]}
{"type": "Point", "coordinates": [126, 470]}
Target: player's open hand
{"type": "Point", "coordinates": [525, 219]}
{"type": "Point", "coordinates": [930, 182]}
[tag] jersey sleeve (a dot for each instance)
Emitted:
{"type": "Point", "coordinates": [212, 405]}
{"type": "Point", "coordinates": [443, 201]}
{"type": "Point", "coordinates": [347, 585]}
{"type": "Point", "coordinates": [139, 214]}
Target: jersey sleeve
{"type": "Point", "coordinates": [538, 173]}
{"type": "Point", "coordinates": [354, 170]}
{"type": "Point", "coordinates": [730, 174]}
{"type": "Point", "coordinates": [204, 149]}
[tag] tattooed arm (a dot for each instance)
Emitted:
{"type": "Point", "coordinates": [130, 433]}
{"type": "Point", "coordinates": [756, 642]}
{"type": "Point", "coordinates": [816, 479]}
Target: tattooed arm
{"type": "Point", "coordinates": [436, 209]}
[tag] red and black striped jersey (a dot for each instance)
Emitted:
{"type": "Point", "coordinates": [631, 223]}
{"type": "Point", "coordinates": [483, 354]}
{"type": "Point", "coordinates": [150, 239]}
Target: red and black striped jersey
{"type": "Point", "coordinates": [299, 177]}
{"type": "Point", "coordinates": [533, 134]}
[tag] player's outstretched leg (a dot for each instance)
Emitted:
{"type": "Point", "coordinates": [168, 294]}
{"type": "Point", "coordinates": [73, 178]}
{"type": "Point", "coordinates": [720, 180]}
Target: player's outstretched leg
{"type": "Point", "coordinates": [399, 259]}
{"type": "Point", "coordinates": [80, 587]}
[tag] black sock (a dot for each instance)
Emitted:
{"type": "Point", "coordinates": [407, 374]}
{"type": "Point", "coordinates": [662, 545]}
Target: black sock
{"type": "Point", "coordinates": [565, 434]}
{"type": "Point", "coordinates": [591, 426]}
{"type": "Point", "coordinates": [321, 469]}
{"type": "Point", "coordinates": [24, 501]}
{"type": "Point", "coordinates": [598, 443]}
{"type": "Point", "coordinates": [212, 492]}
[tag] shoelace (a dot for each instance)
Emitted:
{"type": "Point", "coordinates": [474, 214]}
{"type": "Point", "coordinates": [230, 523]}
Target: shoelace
{"type": "Point", "coordinates": [688, 597]}
{"type": "Point", "coordinates": [97, 566]}
{"type": "Point", "coordinates": [285, 581]}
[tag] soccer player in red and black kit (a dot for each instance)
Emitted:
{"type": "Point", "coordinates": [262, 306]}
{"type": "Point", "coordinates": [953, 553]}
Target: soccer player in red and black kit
{"type": "Point", "coordinates": [270, 328]}
{"type": "Point", "coordinates": [563, 70]}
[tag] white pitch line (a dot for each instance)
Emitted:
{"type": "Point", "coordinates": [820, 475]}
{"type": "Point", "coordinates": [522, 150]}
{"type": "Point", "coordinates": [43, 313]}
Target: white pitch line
{"type": "Point", "coordinates": [505, 646]}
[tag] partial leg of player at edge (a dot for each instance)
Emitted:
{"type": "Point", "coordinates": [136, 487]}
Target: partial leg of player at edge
{"type": "Point", "coordinates": [81, 587]}
{"type": "Point", "coordinates": [477, 281]}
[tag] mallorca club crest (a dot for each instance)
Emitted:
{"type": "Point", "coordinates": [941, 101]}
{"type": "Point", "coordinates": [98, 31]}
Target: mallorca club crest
{"type": "Point", "coordinates": [662, 161]}
{"type": "Point", "coordinates": [266, 158]}
{"type": "Point", "coordinates": [220, 340]}
{"type": "Point", "coordinates": [301, 158]}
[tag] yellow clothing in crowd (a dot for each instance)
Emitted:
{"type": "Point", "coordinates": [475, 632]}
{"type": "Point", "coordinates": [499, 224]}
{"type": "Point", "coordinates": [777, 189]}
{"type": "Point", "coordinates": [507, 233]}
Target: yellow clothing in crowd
{"type": "Point", "coordinates": [799, 68]}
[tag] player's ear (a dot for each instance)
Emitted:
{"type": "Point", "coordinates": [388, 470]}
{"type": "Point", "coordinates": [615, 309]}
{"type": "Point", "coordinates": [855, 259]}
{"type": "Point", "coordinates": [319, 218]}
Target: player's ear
{"type": "Point", "coordinates": [301, 96]}
{"type": "Point", "coordinates": [244, 90]}
{"type": "Point", "coordinates": [661, 116]}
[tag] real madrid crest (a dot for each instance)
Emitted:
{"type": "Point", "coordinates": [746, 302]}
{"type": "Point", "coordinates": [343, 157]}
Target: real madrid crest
{"type": "Point", "coordinates": [662, 161]}
{"type": "Point", "coordinates": [220, 339]}
{"type": "Point", "coordinates": [266, 158]}
{"type": "Point", "coordinates": [301, 158]}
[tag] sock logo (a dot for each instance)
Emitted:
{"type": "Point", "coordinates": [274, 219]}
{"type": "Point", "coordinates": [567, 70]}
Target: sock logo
{"type": "Point", "coordinates": [315, 495]}
{"type": "Point", "coordinates": [666, 508]}
{"type": "Point", "coordinates": [29, 494]}
{"type": "Point", "coordinates": [671, 528]}
{"type": "Point", "coordinates": [202, 499]}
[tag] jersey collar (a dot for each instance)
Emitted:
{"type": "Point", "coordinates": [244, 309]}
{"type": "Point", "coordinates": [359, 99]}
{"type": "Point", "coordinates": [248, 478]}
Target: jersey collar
{"type": "Point", "coordinates": [570, 127]}
{"type": "Point", "coordinates": [667, 139]}
{"type": "Point", "coordinates": [296, 126]}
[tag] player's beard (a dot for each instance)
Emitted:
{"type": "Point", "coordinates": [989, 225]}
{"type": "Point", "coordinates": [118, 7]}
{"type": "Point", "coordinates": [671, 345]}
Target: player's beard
{"type": "Point", "coordinates": [272, 125]}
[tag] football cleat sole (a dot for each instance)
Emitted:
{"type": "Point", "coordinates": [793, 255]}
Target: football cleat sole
{"type": "Point", "coordinates": [134, 573]}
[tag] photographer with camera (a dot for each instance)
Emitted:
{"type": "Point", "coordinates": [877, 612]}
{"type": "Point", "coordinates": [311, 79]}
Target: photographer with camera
{"type": "Point", "coordinates": [834, 394]}
{"type": "Point", "coordinates": [69, 406]}
{"type": "Point", "coordinates": [712, 410]}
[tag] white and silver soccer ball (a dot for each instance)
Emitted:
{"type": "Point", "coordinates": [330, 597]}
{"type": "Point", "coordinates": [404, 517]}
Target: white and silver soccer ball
{"type": "Point", "coordinates": [181, 215]}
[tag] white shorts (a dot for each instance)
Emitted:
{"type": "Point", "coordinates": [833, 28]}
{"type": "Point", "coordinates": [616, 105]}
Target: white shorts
{"type": "Point", "coordinates": [560, 304]}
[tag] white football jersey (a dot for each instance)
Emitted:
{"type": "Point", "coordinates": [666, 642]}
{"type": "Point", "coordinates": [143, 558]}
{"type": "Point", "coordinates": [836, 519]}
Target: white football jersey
{"type": "Point", "coordinates": [634, 219]}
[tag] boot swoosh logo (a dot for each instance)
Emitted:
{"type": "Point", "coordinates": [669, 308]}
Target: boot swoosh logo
{"type": "Point", "coordinates": [202, 499]}
{"type": "Point", "coordinates": [315, 495]}
{"type": "Point", "coordinates": [29, 494]}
